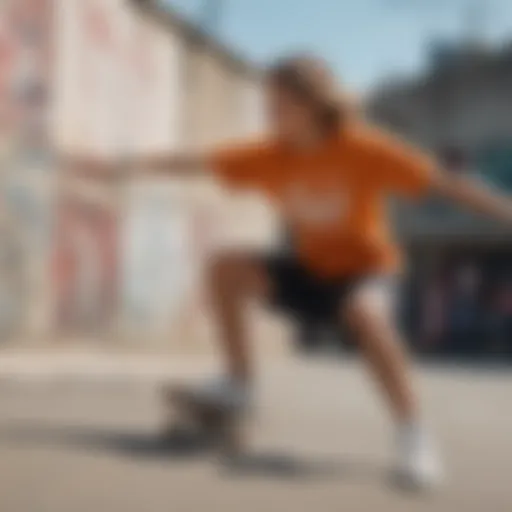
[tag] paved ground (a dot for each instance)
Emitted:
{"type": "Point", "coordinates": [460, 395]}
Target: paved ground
{"type": "Point", "coordinates": [81, 436]}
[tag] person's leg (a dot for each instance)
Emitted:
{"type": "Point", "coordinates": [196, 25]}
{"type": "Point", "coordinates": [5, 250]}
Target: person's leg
{"type": "Point", "coordinates": [233, 279]}
{"type": "Point", "coordinates": [218, 404]}
{"type": "Point", "coordinates": [369, 312]}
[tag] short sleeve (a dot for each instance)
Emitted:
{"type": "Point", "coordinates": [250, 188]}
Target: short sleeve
{"type": "Point", "coordinates": [400, 168]}
{"type": "Point", "coordinates": [240, 166]}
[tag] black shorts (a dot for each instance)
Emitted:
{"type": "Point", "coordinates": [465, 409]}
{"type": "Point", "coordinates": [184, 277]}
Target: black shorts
{"type": "Point", "coordinates": [298, 292]}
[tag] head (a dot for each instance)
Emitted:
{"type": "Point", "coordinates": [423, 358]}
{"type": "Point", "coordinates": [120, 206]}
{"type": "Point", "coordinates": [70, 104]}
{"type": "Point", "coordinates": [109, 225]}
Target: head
{"type": "Point", "coordinates": [304, 102]}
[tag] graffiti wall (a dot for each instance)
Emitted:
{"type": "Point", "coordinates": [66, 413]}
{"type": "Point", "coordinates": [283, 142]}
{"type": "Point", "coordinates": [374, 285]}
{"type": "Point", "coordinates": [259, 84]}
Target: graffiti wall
{"type": "Point", "coordinates": [118, 87]}
{"type": "Point", "coordinates": [85, 266]}
{"type": "Point", "coordinates": [117, 81]}
{"type": "Point", "coordinates": [26, 65]}
{"type": "Point", "coordinates": [100, 78]}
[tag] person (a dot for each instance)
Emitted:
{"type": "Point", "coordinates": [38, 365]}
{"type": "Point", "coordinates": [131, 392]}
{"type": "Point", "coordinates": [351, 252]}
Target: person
{"type": "Point", "coordinates": [464, 320]}
{"type": "Point", "coordinates": [433, 315]}
{"type": "Point", "coordinates": [499, 318]}
{"type": "Point", "coordinates": [329, 174]}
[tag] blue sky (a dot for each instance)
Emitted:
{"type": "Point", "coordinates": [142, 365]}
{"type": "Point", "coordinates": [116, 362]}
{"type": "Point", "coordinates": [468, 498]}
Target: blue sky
{"type": "Point", "coordinates": [366, 40]}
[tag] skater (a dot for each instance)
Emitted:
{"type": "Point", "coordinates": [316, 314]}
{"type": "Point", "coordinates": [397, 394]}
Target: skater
{"type": "Point", "coordinates": [328, 173]}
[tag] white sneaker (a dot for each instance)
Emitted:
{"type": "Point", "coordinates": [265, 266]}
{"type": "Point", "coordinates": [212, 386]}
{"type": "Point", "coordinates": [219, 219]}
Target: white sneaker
{"type": "Point", "coordinates": [419, 466]}
{"type": "Point", "coordinates": [223, 393]}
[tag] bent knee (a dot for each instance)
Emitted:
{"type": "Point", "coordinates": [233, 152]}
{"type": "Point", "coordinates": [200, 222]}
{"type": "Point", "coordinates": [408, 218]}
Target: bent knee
{"type": "Point", "coordinates": [225, 268]}
{"type": "Point", "coordinates": [234, 271]}
{"type": "Point", "coordinates": [370, 305]}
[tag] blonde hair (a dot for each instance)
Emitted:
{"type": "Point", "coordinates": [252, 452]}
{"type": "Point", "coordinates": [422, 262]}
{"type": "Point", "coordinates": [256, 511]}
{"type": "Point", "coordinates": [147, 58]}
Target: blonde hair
{"type": "Point", "coordinates": [311, 80]}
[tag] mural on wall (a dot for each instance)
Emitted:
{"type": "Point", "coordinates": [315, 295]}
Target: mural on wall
{"type": "Point", "coordinates": [25, 62]}
{"type": "Point", "coordinates": [25, 69]}
{"type": "Point", "coordinates": [118, 81]}
{"type": "Point", "coordinates": [85, 266]}
{"type": "Point", "coordinates": [158, 261]}
{"type": "Point", "coordinates": [100, 85]}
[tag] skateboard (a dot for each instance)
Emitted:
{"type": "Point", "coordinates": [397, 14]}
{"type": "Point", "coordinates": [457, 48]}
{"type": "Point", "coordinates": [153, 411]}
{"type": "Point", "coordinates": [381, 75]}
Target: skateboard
{"type": "Point", "coordinates": [217, 428]}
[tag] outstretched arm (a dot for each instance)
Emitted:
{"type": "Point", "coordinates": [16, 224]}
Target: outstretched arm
{"type": "Point", "coordinates": [237, 166]}
{"type": "Point", "coordinates": [411, 173]}
{"type": "Point", "coordinates": [170, 163]}
{"type": "Point", "coordinates": [161, 163]}
{"type": "Point", "coordinates": [474, 195]}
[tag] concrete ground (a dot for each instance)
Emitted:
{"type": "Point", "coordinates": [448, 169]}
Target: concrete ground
{"type": "Point", "coordinates": [81, 435]}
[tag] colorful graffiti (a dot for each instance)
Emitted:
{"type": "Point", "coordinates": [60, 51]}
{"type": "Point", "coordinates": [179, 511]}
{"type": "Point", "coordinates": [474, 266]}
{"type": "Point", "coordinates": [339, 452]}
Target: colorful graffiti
{"type": "Point", "coordinates": [25, 70]}
{"type": "Point", "coordinates": [25, 65]}
{"type": "Point", "coordinates": [85, 264]}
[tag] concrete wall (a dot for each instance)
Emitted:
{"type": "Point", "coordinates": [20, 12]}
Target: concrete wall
{"type": "Point", "coordinates": [121, 81]}
{"type": "Point", "coordinates": [26, 67]}
{"type": "Point", "coordinates": [118, 81]}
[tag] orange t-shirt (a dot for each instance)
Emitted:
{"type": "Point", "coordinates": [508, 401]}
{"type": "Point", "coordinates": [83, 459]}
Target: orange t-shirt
{"type": "Point", "coordinates": [334, 197]}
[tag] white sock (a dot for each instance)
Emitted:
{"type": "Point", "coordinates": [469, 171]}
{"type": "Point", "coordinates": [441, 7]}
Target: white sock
{"type": "Point", "coordinates": [226, 390]}
{"type": "Point", "coordinates": [418, 458]}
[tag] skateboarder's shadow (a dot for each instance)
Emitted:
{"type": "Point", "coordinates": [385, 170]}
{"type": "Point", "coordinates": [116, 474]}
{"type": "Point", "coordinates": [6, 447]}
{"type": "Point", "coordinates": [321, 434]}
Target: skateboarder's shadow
{"type": "Point", "coordinates": [172, 445]}
{"type": "Point", "coordinates": [299, 467]}
{"type": "Point", "coordinates": [178, 445]}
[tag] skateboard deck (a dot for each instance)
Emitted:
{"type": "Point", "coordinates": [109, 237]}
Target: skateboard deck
{"type": "Point", "coordinates": [220, 427]}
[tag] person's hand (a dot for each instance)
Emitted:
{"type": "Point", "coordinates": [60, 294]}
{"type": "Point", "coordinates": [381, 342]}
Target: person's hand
{"type": "Point", "coordinates": [71, 162]}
